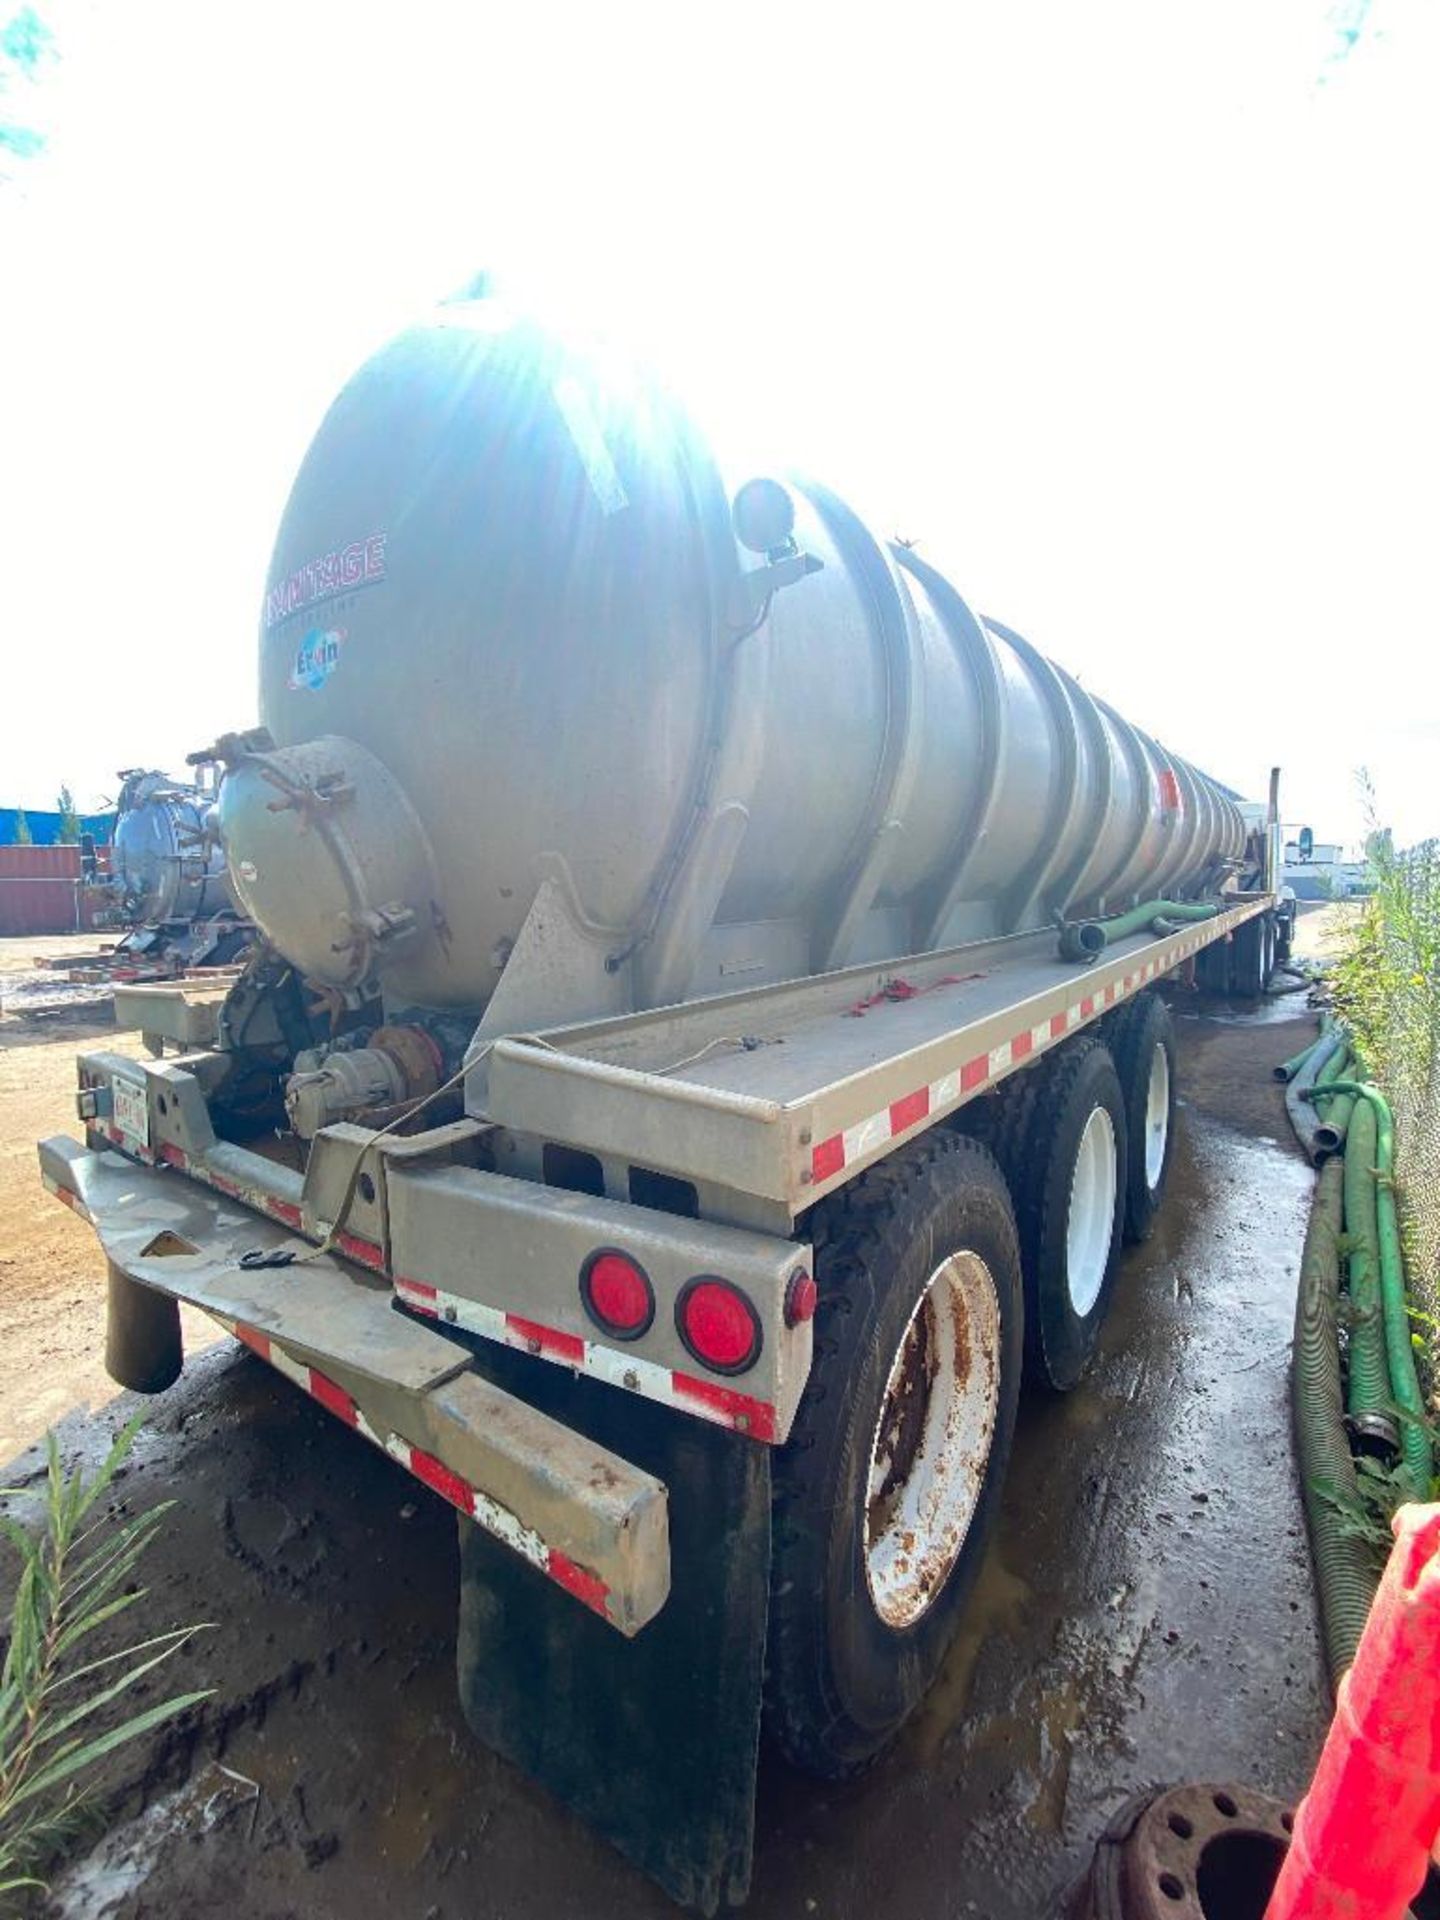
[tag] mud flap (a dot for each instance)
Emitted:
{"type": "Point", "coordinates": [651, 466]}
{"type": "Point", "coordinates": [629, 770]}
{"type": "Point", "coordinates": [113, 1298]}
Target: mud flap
{"type": "Point", "coordinates": [652, 1740]}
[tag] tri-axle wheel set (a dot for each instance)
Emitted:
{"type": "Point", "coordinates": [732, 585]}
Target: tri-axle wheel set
{"type": "Point", "coordinates": [953, 1269]}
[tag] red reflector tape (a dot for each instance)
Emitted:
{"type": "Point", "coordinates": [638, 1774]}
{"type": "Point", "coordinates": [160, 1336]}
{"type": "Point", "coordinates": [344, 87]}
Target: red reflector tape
{"type": "Point", "coordinates": [255, 1340]}
{"type": "Point", "coordinates": [577, 1580]}
{"type": "Point", "coordinates": [443, 1479]}
{"type": "Point", "coordinates": [828, 1157]}
{"type": "Point", "coordinates": [334, 1399]}
{"type": "Point", "coordinates": [365, 1251]}
{"type": "Point", "coordinates": [909, 1111]}
{"type": "Point", "coordinates": [754, 1417]}
{"type": "Point", "coordinates": [549, 1341]}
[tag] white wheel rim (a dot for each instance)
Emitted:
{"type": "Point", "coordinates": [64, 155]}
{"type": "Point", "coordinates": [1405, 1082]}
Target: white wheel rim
{"type": "Point", "coordinates": [1091, 1220]}
{"type": "Point", "coordinates": [930, 1450]}
{"type": "Point", "coordinates": [1157, 1116]}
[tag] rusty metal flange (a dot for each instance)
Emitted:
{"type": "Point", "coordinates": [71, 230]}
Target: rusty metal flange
{"type": "Point", "coordinates": [1209, 1852]}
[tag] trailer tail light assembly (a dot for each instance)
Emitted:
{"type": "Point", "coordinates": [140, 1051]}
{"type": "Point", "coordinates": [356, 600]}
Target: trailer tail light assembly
{"type": "Point", "coordinates": [617, 1294]}
{"type": "Point", "coordinates": [718, 1324]}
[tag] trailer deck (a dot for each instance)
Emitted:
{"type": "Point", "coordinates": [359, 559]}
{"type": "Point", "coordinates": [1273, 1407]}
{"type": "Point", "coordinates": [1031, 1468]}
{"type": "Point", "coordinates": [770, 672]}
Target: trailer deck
{"type": "Point", "coordinates": [783, 1093]}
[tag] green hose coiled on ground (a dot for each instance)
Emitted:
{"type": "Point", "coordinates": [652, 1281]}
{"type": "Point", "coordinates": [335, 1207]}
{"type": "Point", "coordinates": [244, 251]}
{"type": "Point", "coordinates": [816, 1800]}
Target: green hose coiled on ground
{"type": "Point", "coordinates": [1369, 1396]}
{"type": "Point", "coordinates": [1321, 1139]}
{"type": "Point", "coordinates": [1297, 1094]}
{"type": "Point", "coordinates": [1084, 939]}
{"type": "Point", "coordinates": [1344, 1574]}
{"type": "Point", "coordinates": [1288, 1069]}
{"type": "Point", "coordinates": [1330, 1132]}
{"type": "Point", "coordinates": [1379, 1166]}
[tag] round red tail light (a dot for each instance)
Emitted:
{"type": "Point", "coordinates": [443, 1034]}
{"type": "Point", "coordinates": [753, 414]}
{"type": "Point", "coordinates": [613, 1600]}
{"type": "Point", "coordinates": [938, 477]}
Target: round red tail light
{"type": "Point", "coordinates": [801, 1298]}
{"type": "Point", "coordinates": [718, 1325]}
{"type": "Point", "coordinates": [617, 1294]}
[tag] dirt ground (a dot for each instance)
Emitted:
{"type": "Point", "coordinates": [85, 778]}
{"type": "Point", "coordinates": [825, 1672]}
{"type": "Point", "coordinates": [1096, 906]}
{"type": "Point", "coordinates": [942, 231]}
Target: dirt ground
{"type": "Point", "coordinates": [1145, 1614]}
{"type": "Point", "coordinates": [52, 1319]}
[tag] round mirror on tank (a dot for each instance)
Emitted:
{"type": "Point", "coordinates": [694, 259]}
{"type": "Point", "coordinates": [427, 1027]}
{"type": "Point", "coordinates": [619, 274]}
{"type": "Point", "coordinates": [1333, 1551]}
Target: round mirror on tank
{"type": "Point", "coordinates": [763, 515]}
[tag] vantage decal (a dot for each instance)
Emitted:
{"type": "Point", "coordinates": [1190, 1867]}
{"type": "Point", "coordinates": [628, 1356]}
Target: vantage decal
{"type": "Point", "coordinates": [360, 564]}
{"type": "Point", "coordinates": [316, 658]}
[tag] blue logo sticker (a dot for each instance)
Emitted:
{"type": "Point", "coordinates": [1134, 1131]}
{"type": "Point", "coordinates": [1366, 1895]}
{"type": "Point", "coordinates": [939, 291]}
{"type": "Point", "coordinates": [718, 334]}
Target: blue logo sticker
{"type": "Point", "coordinates": [316, 658]}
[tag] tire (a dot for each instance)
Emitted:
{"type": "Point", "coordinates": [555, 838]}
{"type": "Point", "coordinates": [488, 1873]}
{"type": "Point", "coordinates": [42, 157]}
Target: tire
{"type": "Point", "coordinates": [910, 1258]}
{"type": "Point", "coordinates": [1248, 970]}
{"type": "Point", "coordinates": [1214, 970]}
{"type": "Point", "coordinates": [1068, 1283]}
{"type": "Point", "coordinates": [1142, 1043]}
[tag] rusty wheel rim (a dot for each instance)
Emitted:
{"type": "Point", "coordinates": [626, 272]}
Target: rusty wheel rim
{"type": "Point", "coordinates": [931, 1445]}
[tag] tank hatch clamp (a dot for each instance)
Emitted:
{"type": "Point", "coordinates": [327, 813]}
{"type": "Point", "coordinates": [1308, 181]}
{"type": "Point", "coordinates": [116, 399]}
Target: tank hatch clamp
{"type": "Point", "coordinates": [231, 748]}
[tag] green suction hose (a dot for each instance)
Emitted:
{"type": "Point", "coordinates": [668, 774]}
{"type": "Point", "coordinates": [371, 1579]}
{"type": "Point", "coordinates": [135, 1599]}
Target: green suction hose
{"type": "Point", "coordinates": [1378, 1168]}
{"type": "Point", "coordinates": [1288, 1069]}
{"type": "Point", "coordinates": [1340, 1066]}
{"type": "Point", "coordinates": [1370, 1398]}
{"type": "Point", "coordinates": [1297, 1094]}
{"type": "Point", "coordinates": [1330, 1132]}
{"type": "Point", "coordinates": [1344, 1575]}
{"type": "Point", "coordinates": [1084, 939]}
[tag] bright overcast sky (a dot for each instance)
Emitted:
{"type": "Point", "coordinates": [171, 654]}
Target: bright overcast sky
{"type": "Point", "coordinates": [1128, 313]}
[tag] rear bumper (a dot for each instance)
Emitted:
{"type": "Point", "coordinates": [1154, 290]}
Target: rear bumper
{"type": "Point", "coordinates": [590, 1521]}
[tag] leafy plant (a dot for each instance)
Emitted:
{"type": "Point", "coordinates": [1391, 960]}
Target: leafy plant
{"type": "Point", "coordinates": [68, 831]}
{"type": "Point", "coordinates": [75, 1576]}
{"type": "Point", "coordinates": [23, 835]}
{"type": "Point", "coordinates": [1386, 988]}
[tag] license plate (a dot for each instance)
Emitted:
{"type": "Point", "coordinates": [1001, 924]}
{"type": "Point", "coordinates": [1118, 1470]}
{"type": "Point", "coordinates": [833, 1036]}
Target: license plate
{"type": "Point", "coordinates": [131, 1110]}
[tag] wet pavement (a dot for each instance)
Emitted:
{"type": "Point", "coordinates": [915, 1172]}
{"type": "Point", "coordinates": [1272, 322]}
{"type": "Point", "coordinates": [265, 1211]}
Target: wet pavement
{"type": "Point", "coordinates": [1145, 1616]}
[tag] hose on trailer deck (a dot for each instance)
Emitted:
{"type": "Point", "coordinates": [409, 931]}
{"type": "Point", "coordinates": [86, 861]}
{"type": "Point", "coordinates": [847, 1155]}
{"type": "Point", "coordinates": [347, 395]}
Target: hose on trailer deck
{"type": "Point", "coordinates": [1344, 1576]}
{"type": "Point", "coordinates": [1085, 939]}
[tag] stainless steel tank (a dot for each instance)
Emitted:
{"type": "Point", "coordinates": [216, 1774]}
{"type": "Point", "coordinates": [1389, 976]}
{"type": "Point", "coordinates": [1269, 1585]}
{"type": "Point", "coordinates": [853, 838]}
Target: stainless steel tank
{"type": "Point", "coordinates": [162, 867]}
{"type": "Point", "coordinates": [515, 665]}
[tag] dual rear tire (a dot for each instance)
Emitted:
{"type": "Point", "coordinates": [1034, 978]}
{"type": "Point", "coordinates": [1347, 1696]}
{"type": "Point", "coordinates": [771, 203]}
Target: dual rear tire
{"type": "Point", "coordinates": [945, 1272]}
{"type": "Point", "coordinates": [891, 1480]}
